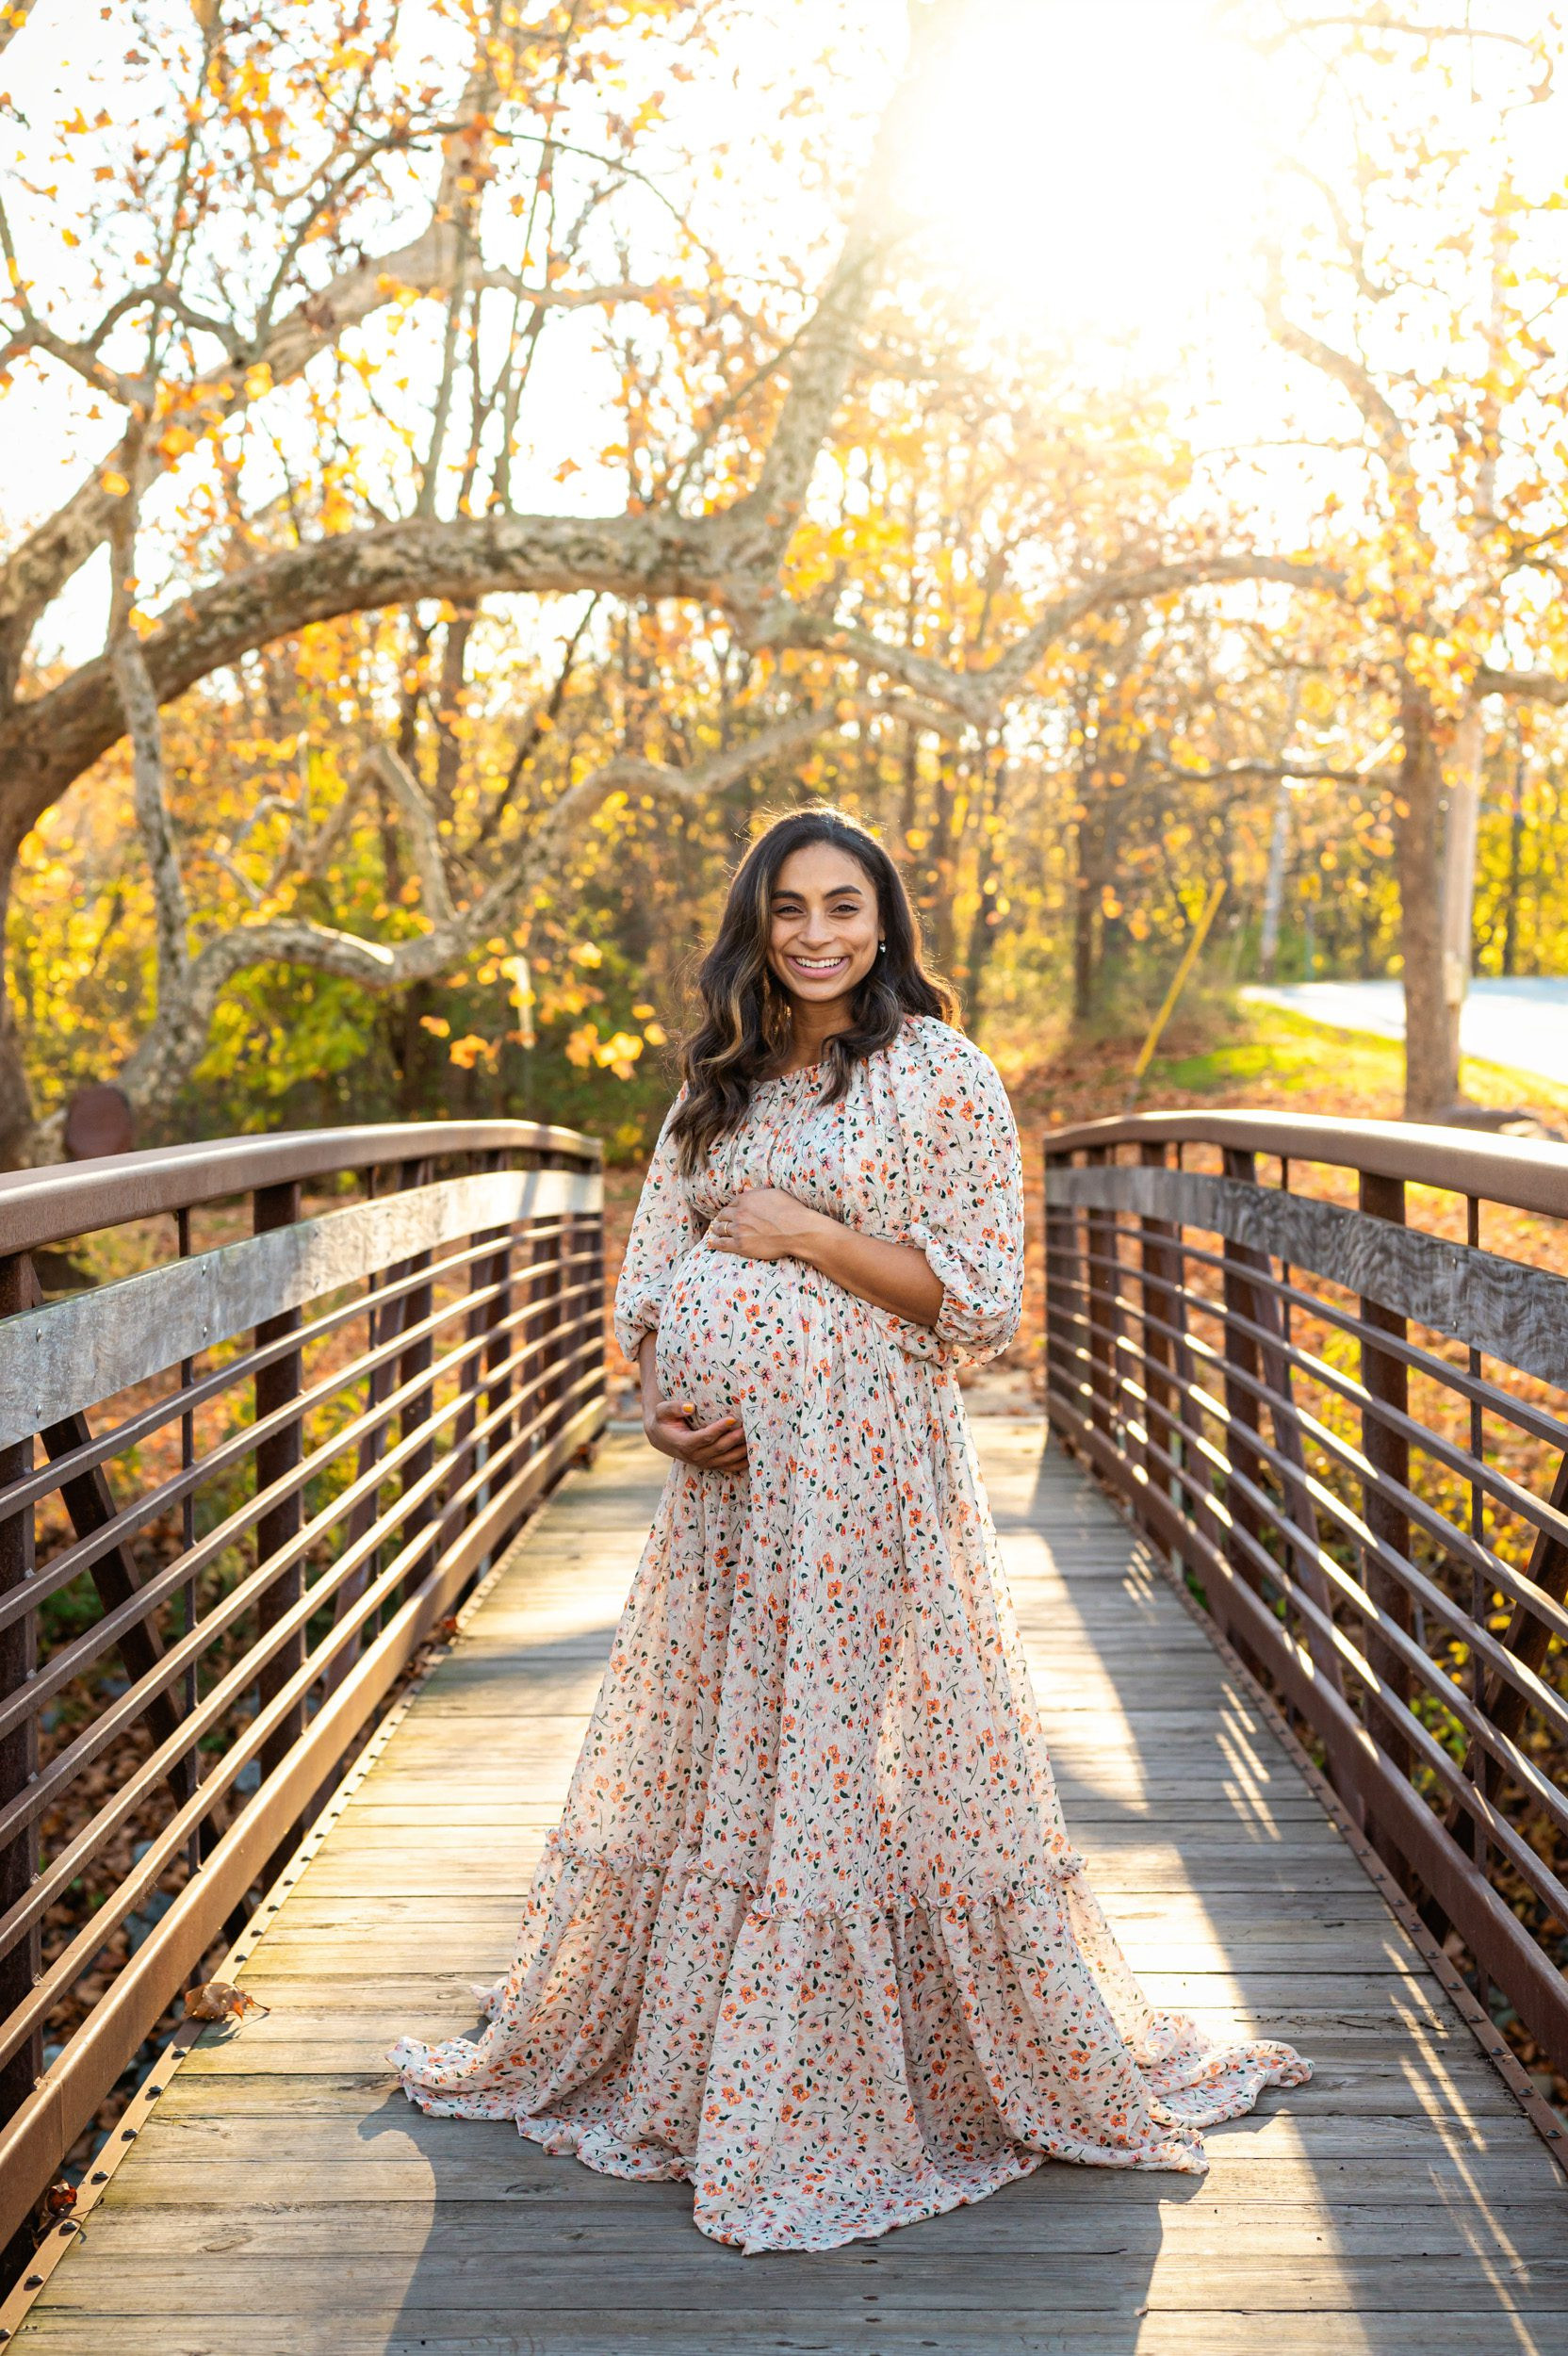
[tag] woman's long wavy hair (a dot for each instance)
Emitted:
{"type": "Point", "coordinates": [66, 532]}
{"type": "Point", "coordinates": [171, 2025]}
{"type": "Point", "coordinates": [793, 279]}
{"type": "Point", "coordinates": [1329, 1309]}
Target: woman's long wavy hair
{"type": "Point", "coordinates": [743, 1036]}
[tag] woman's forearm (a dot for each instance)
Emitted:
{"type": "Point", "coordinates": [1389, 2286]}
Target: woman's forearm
{"type": "Point", "coordinates": [895, 1276]}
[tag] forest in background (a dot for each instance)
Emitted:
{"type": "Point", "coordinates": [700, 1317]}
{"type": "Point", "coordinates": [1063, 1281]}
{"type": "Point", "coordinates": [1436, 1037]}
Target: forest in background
{"type": "Point", "coordinates": [343, 778]}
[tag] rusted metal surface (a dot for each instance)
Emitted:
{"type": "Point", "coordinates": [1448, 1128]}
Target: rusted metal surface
{"type": "Point", "coordinates": [238, 1491]}
{"type": "Point", "coordinates": [1350, 1428]}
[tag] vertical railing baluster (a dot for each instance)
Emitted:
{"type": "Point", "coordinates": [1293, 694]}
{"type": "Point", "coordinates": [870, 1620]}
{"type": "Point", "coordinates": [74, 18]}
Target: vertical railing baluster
{"type": "Point", "coordinates": [503, 1391]}
{"type": "Point", "coordinates": [1102, 1296]}
{"type": "Point", "coordinates": [1159, 1302]}
{"type": "Point", "coordinates": [1061, 1228]}
{"type": "Point", "coordinates": [1386, 1381]}
{"type": "Point", "coordinates": [1243, 1414]}
{"type": "Point", "coordinates": [549, 1252]}
{"type": "Point", "coordinates": [380, 1326]}
{"type": "Point", "coordinates": [468, 1415]}
{"type": "Point", "coordinates": [276, 1457]}
{"type": "Point", "coordinates": [413, 1362]}
{"type": "Point", "coordinates": [20, 1966]}
{"type": "Point", "coordinates": [1479, 1597]}
{"type": "Point", "coordinates": [586, 1356]}
{"type": "Point", "coordinates": [188, 1539]}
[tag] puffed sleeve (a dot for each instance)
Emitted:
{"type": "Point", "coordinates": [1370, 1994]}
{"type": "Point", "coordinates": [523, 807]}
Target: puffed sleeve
{"type": "Point", "coordinates": [662, 1227]}
{"type": "Point", "coordinates": [964, 1178]}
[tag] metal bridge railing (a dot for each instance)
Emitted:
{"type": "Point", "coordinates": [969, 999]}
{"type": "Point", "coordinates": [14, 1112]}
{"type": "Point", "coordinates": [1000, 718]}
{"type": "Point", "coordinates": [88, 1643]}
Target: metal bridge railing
{"type": "Point", "coordinates": [240, 1489]}
{"type": "Point", "coordinates": [1326, 1366]}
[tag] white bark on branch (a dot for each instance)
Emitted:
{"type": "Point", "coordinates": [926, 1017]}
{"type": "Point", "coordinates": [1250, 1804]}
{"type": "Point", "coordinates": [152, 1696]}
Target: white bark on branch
{"type": "Point", "coordinates": [979, 696]}
{"type": "Point", "coordinates": [179, 1038]}
{"type": "Point", "coordinates": [423, 831]}
{"type": "Point", "coordinates": [1540, 687]}
{"type": "Point", "coordinates": [145, 730]}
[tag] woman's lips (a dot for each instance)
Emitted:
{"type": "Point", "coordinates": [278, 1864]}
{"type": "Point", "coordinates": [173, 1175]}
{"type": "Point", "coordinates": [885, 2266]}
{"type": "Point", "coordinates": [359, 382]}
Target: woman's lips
{"type": "Point", "coordinates": [814, 971]}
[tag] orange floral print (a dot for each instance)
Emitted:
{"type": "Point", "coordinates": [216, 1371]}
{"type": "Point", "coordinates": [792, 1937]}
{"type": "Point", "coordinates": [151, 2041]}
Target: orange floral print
{"type": "Point", "coordinates": [811, 1934]}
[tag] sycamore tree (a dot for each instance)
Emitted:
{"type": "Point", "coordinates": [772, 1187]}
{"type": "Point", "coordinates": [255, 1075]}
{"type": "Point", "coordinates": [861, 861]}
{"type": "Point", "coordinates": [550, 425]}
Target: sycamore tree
{"type": "Point", "coordinates": [1425, 305]}
{"type": "Point", "coordinates": [336, 304]}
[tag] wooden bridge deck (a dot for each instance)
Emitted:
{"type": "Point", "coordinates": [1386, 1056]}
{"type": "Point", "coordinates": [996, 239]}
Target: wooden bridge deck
{"type": "Point", "coordinates": [284, 2199]}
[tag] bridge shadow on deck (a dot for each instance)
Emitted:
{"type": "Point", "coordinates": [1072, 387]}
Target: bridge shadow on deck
{"type": "Point", "coordinates": [287, 2199]}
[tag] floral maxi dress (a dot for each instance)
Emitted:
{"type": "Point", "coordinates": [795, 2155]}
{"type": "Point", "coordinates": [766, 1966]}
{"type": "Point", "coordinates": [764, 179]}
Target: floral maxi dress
{"type": "Point", "coordinates": [810, 1933]}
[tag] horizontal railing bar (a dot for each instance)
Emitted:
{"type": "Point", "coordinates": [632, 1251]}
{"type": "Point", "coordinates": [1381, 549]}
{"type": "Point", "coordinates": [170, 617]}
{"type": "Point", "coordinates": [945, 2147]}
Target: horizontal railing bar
{"type": "Point", "coordinates": [73, 1559]}
{"type": "Point", "coordinates": [1507, 1754]}
{"type": "Point", "coordinates": [1524, 1681]}
{"type": "Point", "coordinates": [106, 1446]}
{"type": "Point", "coordinates": [1524, 1173]}
{"type": "Point", "coordinates": [54, 1206]}
{"type": "Point", "coordinates": [1492, 1931]}
{"type": "Point", "coordinates": [211, 1710]}
{"type": "Point", "coordinates": [1469, 1795]}
{"type": "Point", "coordinates": [130, 1705]}
{"type": "Point", "coordinates": [1540, 1512]}
{"type": "Point", "coordinates": [35, 2142]}
{"type": "Point", "coordinates": [1518, 1412]}
{"type": "Point", "coordinates": [1456, 1542]}
{"type": "Point", "coordinates": [93, 1346]}
{"type": "Point", "coordinates": [169, 1844]}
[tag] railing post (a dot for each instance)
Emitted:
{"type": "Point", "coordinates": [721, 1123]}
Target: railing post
{"type": "Point", "coordinates": [1104, 1329]}
{"type": "Point", "coordinates": [1162, 1307]}
{"type": "Point", "coordinates": [504, 1339]}
{"type": "Point", "coordinates": [592, 1305]}
{"type": "Point", "coordinates": [18, 1762]}
{"type": "Point", "coordinates": [474, 1326]}
{"type": "Point", "coordinates": [1241, 1403]}
{"type": "Point", "coordinates": [547, 1259]}
{"type": "Point", "coordinates": [412, 1362]}
{"type": "Point", "coordinates": [1061, 1285]}
{"type": "Point", "coordinates": [276, 1458]}
{"type": "Point", "coordinates": [1386, 1381]}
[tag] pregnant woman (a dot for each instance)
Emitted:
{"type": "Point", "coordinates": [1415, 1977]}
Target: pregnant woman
{"type": "Point", "coordinates": [811, 1934]}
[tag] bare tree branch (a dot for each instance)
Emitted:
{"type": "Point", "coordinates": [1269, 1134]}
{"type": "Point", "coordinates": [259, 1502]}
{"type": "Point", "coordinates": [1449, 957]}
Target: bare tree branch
{"type": "Point", "coordinates": [386, 761]}
{"type": "Point", "coordinates": [1523, 686]}
{"type": "Point", "coordinates": [179, 1038]}
{"type": "Point", "coordinates": [14, 15]}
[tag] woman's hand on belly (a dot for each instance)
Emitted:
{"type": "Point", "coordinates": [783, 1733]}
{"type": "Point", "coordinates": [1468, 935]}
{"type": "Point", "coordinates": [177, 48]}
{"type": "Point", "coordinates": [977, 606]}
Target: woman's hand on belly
{"type": "Point", "coordinates": [765, 1223]}
{"type": "Point", "coordinates": [719, 1446]}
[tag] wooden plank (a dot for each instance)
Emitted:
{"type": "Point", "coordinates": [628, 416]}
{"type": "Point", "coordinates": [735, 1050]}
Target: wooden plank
{"type": "Point", "coordinates": [443, 2278]}
{"type": "Point", "coordinates": [770, 2329]}
{"type": "Point", "coordinates": [1515, 1313]}
{"type": "Point", "coordinates": [133, 2231]}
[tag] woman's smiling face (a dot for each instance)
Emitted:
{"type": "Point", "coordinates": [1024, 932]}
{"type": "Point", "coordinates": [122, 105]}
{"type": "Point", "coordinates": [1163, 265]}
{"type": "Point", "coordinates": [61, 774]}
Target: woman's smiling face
{"type": "Point", "coordinates": [824, 924]}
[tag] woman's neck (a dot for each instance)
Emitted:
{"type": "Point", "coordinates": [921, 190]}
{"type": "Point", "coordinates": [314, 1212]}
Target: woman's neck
{"type": "Point", "coordinates": [811, 1028]}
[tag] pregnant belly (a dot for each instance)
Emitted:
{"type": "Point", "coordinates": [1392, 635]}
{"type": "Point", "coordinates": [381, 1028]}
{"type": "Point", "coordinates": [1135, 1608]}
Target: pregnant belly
{"type": "Point", "coordinates": [729, 1333]}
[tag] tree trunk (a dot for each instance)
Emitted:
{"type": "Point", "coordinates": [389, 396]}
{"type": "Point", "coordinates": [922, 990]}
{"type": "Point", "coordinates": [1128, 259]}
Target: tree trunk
{"type": "Point", "coordinates": [1274, 890]}
{"type": "Point", "coordinates": [988, 920]}
{"type": "Point", "coordinates": [16, 1101]}
{"type": "Point", "coordinates": [1432, 1030]}
{"type": "Point", "coordinates": [1516, 869]}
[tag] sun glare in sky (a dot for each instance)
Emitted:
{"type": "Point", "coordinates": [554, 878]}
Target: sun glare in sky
{"type": "Point", "coordinates": [1087, 164]}
{"type": "Point", "coordinates": [1090, 174]}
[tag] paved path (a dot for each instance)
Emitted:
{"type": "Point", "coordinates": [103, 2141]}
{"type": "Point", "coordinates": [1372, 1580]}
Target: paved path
{"type": "Point", "coordinates": [1523, 1024]}
{"type": "Point", "coordinates": [286, 2200]}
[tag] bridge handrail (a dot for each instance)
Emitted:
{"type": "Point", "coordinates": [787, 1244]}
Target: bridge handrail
{"type": "Point", "coordinates": [1350, 1428]}
{"type": "Point", "coordinates": [269, 1470]}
